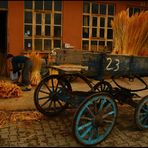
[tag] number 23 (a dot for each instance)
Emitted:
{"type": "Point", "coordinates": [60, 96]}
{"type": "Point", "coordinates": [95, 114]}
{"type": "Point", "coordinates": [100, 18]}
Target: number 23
{"type": "Point", "coordinates": [108, 67]}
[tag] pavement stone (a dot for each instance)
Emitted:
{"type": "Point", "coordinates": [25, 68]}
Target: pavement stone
{"type": "Point", "coordinates": [57, 132]}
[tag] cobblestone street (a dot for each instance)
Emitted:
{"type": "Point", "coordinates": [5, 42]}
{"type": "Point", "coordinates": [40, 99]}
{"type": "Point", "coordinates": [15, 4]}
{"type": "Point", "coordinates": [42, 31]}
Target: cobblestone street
{"type": "Point", "coordinates": [41, 131]}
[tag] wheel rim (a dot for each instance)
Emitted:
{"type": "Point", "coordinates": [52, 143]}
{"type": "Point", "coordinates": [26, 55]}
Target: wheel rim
{"type": "Point", "coordinates": [51, 95]}
{"type": "Point", "coordinates": [142, 114]}
{"type": "Point", "coordinates": [95, 120]}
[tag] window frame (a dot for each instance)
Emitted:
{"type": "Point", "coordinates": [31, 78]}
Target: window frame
{"type": "Point", "coordinates": [51, 25]}
{"type": "Point", "coordinates": [98, 27]}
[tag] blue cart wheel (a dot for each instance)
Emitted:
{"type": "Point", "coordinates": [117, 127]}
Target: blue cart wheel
{"type": "Point", "coordinates": [94, 119]}
{"type": "Point", "coordinates": [103, 86]}
{"type": "Point", "coordinates": [51, 94]}
{"type": "Point", "coordinates": [141, 114]}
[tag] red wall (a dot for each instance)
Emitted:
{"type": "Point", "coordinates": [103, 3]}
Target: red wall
{"type": "Point", "coordinates": [15, 27]}
{"type": "Point", "coordinates": [72, 23]}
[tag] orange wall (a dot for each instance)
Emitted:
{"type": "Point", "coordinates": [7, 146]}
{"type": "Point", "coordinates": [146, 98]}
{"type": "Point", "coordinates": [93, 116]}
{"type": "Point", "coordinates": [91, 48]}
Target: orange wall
{"type": "Point", "coordinates": [15, 27]}
{"type": "Point", "coordinates": [72, 23]}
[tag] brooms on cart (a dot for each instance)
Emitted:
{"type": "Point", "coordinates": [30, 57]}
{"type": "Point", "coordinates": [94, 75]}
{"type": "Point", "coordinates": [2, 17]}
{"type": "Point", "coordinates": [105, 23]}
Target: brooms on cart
{"type": "Point", "coordinates": [96, 109]}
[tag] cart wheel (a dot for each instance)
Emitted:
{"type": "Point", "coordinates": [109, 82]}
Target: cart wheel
{"type": "Point", "coordinates": [141, 114]}
{"type": "Point", "coordinates": [103, 86]}
{"type": "Point", "coordinates": [51, 94]}
{"type": "Point", "coordinates": [94, 119]}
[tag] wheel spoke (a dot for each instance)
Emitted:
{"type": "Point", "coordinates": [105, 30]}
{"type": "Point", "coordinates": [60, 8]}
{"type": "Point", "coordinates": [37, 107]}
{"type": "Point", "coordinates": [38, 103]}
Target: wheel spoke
{"type": "Point", "coordinates": [41, 98]}
{"type": "Point", "coordinates": [91, 136]}
{"type": "Point", "coordinates": [102, 104]}
{"type": "Point", "coordinates": [58, 101]}
{"type": "Point", "coordinates": [52, 85]}
{"type": "Point", "coordinates": [86, 132]}
{"type": "Point", "coordinates": [109, 105]}
{"type": "Point", "coordinates": [56, 86]}
{"type": "Point", "coordinates": [108, 121]}
{"type": "Point", "coordinates": [108, 114]}
{"type": "Point", "coordinates": [44, 91]}
{"type": "Point", "coordinates": [47, 86]}
{"type": "Point", "coordinates": [84, 126]}
{"type": "Point", "coordinates": [45, 102]}
{"type": "Point", "coordinates": [92, 114]}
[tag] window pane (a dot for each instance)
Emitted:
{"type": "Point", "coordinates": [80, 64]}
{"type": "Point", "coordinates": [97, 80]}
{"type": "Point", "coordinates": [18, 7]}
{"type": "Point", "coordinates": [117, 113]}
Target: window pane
{"type": "Point", "coordinates": [102, 22]}
{"type": "Point", "coordinates": [38, 18]}
{"type": "Point", "coordinates": [47, 19]}
{"type": "Point", "coordinates": [38, 44]}
{"type": "Point", "coordinates": [3, 4]}
{"type": "Point", "coordinates": [111, 9]}
{"type": "Point", "coordinates": [28, 4]}
{"type": "Point", "coordinates": [86, 7]}
{"type": "Point", "coordinates": [57, 43]}
{"type": "Point", "coordinates": [28, 17]}
{"type": "Point", "coordinates": [47, 44]}
{"type": "Point", "coordinates": [94, 32]}
{"type": "Point", "coordinates": [38, 29]}
{"type": "Point", "coordinates": [102, 9]}
{"type": "Point", "coordinates": [109, 33]}
{"type": "Point", "coordinates": [102, 33]}
{"type": "Point", "coordinates": [47, 30]}
{"type": "Point", "coordinates": [136, 10]}
{"type": "Point", "coordinates": [85, 45]}
{"type": "Point", "coordinates": [93, 45]}
{"type": "Point", "coordinates": [28, 30]}
{"type": "Point", "coordinates": [109, 45]}
{"type": "Point", "coordinates": [94, 23]}
{"type": "Point", "coordinates": [57, 5]}
{"type": "Point", "coordinates": [130, 11]}
{"type": "Point", "coordinates": [28, 44]}
{"type": "Point", "coordinates": [38, 5]}
{"type": "Point", "coordinates": [109, 21]}
{"type": "Point", "coordinates": [47, 5]}
{"type": "Point", "coordinates": [85, 20]}
{"type": "Point", "coordinates": [57, 31]}
{"type": "Point", "coordinates": [57, 19]}
{"type": "Point", "coordinates": [94, 8]}
{"type": "Point", "coordinates": [101, 45]}
{"type": "Point", "coordinates": [85, 32]}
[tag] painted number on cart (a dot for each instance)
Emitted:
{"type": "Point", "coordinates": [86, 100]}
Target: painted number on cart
{"type": "Point", "coordinates": [109, 65]}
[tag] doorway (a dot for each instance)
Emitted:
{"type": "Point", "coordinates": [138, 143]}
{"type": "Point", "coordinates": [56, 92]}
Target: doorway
{"type": "Point", "coordinates": [3, 41]}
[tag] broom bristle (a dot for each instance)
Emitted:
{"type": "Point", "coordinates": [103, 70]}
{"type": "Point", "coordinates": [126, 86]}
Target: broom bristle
{"type": "Point", "coordinates": [130, 33]}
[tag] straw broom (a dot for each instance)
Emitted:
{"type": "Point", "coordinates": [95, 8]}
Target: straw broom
{"type": "Point", "coordinates": [35, 74]}
{"type": "Point", "coordinates": [131, 33]}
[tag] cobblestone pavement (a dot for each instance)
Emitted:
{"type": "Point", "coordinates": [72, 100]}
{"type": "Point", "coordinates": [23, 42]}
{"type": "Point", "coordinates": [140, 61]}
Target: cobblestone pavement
{"type": "Point", "coordinates": [20, 130]}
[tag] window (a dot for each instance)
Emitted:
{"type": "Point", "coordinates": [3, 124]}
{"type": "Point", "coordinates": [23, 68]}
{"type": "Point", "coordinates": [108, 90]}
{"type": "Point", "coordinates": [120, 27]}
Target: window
{"type": "Point", "coordinates": [42, 25]}
{"type": "Point", "coordinates": [4, 4]}
{"type": "Point", "coordinates": [133, 10]}
{"type": "Point", "coordinates": [96, 30]}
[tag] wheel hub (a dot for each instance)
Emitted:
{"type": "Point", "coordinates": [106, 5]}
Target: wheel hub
{"type": "Point", "coordinates": [98, 120]}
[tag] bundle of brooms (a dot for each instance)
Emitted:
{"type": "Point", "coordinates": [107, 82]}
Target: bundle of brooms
{"type": "Point", "coordinates": [130, 33]}
{"type": "Point", "coordinates": [35, 74]}
{"type": "Point", "coordinates": [9, 90]}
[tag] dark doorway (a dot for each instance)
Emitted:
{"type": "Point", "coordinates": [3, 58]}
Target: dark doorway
{"type": "Point", "coordinates": [3, 41]}
{"type": "Point", "coordinates": [3, 32]}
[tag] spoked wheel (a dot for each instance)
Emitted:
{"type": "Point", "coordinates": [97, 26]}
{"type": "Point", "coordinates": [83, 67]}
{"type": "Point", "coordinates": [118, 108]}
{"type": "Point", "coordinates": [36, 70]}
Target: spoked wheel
{"type": "Point", "coordinates": [103, 86]}
{"type": "Point", "coordinates": [51, 94]}
{"type": "Point", "coordinates": [94, 119]}
{"type": "Point", "coordinates": [141, 114]}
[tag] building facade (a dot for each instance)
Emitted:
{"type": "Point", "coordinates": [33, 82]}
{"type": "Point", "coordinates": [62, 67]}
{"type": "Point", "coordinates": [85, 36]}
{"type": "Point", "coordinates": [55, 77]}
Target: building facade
{"type": "Point", "coordinates": [41, 26]}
